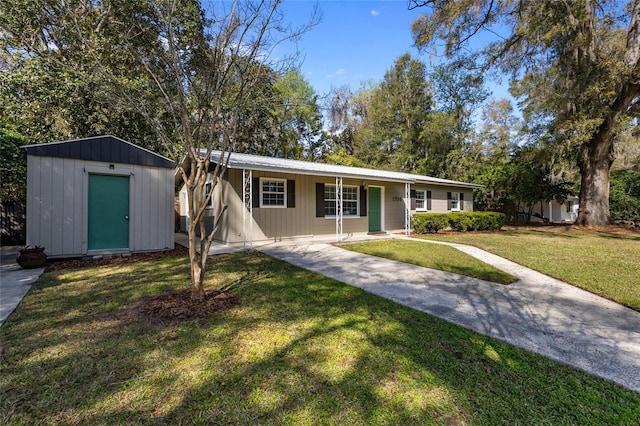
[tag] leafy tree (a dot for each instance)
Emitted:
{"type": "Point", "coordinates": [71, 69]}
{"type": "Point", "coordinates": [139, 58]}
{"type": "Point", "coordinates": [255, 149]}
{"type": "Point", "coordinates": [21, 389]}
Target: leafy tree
{"type": "Point", "coordinates": [627, 148]}
{"type": "Point", "coordinates": [441, 147]}
{"type": "Point", "coordinates": [342, 157]}
{"type": "Point", "coordinates": [571, 62]}
{"type": "Point", "coordinates": [625, 195]}
{"type": "Point", "coordinates": [458, 93]}
{"type": "Point", "coordinates": [500, 129]}
{"type": "Point", "coordinates": [338, 137]}
{"type": "Point", "coordinates": [190, 73]}
{"type": "Point", "coordinates": [395, 124]}
{"type": "Point", "coordinates": [527, 179]}
{"type": "Point", "coordinates": [49, 87]}
{"type": "Point", "coordinates": [339, 109]}
{"type": "Point", "coordinates": [392, 116]}
{"type": "Point", "coordinates": [13, 166]}
{"type": "Point", "coordinates": [283, 119]}
{"type": "Point", "coordinates": [299, 118]}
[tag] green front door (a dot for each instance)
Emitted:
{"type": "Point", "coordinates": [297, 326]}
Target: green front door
{"type": "Point", "coordinates": [375, 210]}
{"type": "Point", "coordinates": [108, 212]}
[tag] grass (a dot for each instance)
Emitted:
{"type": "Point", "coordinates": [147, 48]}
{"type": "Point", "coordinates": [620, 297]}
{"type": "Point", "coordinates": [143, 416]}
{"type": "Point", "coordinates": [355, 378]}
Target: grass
{"type": "Point", "coordinates": [301, 349]}
{"type": "Point", "coordinates": [433, 256]}
{"type": "Point", "coordinates": [603, 263]}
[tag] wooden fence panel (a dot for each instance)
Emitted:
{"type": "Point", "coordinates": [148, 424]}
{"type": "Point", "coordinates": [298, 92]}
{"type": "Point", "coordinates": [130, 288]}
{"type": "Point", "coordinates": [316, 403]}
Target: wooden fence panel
{"type": "Point", "coordinates": [13, 219]}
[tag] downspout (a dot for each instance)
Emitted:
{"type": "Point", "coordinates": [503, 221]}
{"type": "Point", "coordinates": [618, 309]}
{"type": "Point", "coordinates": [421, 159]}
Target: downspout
{"type": "Point", "coordinates": [407, 208]}
{"type": "Point", "coordinates": [339, 209]}
{"type": "Point", "coordinates": [247, 211]}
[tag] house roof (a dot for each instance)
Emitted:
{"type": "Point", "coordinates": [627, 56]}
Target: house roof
{"type": "Point", "coordinates": [283, 165]}
{"type": "Point", "coordinates": [108, 149]}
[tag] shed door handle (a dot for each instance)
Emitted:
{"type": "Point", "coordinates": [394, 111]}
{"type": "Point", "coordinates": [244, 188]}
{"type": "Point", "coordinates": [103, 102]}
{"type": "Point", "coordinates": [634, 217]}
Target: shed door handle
{"type": "Point", "coordinates": [126, 217]}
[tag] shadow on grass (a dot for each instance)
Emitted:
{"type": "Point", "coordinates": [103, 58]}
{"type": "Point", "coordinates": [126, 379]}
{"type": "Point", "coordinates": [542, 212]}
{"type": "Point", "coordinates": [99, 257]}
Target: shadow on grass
{"type": "Point", "coordinates": [301, 349]}
{"type": "Point", "coordinates": [613, 236]}
{"type": "Point", "coordinates": [438, 257]}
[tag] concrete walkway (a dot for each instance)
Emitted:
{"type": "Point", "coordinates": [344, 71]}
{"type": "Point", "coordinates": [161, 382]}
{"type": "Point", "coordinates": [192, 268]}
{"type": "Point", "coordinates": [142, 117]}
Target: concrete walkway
{"type": "Point", "coordinates": [537, 313]}
{"type": "Point", "coordinates": [216, 247]}
{"type": "Point", "coordinates": [15, 282]}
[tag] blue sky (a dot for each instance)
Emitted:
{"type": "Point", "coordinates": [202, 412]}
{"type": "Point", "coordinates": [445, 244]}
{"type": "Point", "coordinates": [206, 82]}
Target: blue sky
{"type": "Point", "coordinates": [356, 41]}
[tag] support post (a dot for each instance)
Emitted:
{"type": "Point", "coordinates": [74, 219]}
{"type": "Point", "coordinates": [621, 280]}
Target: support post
{"type": "Point", "coordinates": [407, 209]}
{"type": "Point", "coordinates": [339, 208]}
{"type": "Point", "coordinates": [247, 211]}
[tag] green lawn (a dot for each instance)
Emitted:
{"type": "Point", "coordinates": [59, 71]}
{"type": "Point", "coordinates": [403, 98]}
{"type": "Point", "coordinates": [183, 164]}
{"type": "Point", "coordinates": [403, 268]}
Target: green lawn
{"type": "Point", "coordinates": [603, 263]}
{"type": "Point", "coordinates": [300, 349]}
{"type": "Point", "coordinates": [432, 256]}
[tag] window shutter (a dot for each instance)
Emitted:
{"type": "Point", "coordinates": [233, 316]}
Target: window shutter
{"type": "Point", "coordinates": [363, 201]}
{"type": "Point", "coordinates": [448, 201]}
{"type": "Point", "coordinates": [413, 203]}
{"type": "Point", "coordinates": [461, 201]}
{"type": "Point", "coordinates": [319, 199]}
{"type": "Point", "coordinates": [428, 200]}
{"type": "Point", "coordinates": [255, 192]}
{"type": "Point", "coordinates": [291, 194]}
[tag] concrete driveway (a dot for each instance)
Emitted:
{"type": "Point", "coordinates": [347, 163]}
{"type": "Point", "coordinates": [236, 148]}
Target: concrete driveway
{"type": "Point", "coordinates": [15, 282]}
{"type": "Point", "coordinates": [537, 313]}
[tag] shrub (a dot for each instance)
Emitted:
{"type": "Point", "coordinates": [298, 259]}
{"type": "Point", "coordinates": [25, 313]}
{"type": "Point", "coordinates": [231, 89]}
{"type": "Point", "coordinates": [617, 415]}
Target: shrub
{"type": "Point", "coordinates": [624, 196]}
{"type": "Point", "coordinates": [488, 221]}
{"type": "Point", "coordinates": [460, 221]}
{"type": "Point", "coordinates": [457, 221]}
{"type": "Point", "coordinates": [429, 223]}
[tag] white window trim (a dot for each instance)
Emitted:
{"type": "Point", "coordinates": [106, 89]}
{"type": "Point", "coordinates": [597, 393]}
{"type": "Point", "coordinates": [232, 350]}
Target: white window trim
{"type": "Point", "coordinates": [204, 195]}
{"type": "Point", "coordinates": [569, 206]}
{"type": "Point", "coordinates": [284, 206]}
{"type": "Point", "coordinates": [457, 209]}
{"type": "Point", "coordinates": [424, 209]}
{"type": "Point", "coordinates": [345, 216]}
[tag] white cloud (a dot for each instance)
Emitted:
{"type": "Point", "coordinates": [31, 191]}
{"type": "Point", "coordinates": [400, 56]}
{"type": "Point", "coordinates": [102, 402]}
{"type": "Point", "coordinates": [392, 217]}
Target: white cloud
{"type": "Point", "coordinates": [374, 12]}
{"type": "Point", "coordinates": [341, 71]}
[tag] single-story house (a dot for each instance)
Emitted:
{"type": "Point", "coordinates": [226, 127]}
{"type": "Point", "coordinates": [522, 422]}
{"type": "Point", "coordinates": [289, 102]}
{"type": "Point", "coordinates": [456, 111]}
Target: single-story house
{"type": "Point", "coordinates": [269, 199]}
{"type": "Point", "coordinates": [98, 195]}
{"type": "Point", "coordinates": [555, 211]}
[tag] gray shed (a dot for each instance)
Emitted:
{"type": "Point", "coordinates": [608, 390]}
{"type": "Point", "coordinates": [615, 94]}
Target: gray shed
{"type": "Point", "coordinates": [98, 195]}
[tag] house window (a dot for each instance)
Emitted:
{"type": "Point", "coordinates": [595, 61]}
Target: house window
{"type": "Point", "coordinates": [349, 200]}
{"type": "Point", "coordinates": [455, 200]}
{"type": "Point", "coordinates": [569, 206]}
{"type": "Point", "coordinates": [421, 200]}
{"type": "Point", "coordinates": [207, 190]}
{"type": "Point", "coordinates": [273, 192]}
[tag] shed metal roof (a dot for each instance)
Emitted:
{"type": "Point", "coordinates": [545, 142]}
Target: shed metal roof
{"type": "Point", "coordinates": [283, 165]}
{"type": "Point", "coordinates": [108, 149]}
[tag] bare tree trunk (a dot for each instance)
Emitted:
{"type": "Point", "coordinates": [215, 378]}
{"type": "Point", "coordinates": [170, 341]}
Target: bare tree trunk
{"type": "Point", "coordinates": [197, 271]}
{"type": "Point", "coordinates": [595, 169]}
{"type": "Point", "coordinates": [597, 156]}
{"type": "Point", "coordinates": [595, 164]}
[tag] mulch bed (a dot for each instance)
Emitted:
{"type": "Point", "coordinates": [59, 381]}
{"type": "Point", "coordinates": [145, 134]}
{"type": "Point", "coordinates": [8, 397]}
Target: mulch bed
{"type": "Point", "coordinates": [178, 305]}
{"type": "Point", "coordinates": [173, 306]}
{"type": "Point", "coordinates": [58, 265]}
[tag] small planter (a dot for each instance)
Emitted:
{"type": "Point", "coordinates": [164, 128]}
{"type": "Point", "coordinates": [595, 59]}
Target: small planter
{"type": "Point", "coordinates": [32, 257]}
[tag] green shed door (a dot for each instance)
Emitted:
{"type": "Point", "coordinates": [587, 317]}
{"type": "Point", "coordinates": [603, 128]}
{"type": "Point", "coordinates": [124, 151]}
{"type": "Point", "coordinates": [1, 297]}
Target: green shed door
{"type": "Point", "coordinates": [375, 210]}
{"type": "Point", "coordinates": [108, 212]}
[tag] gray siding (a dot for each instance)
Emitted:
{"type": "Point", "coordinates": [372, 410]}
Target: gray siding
{"type": "Point", "coordinates": [57, 210]}
{"type": "Point", "coordinates": [439, 202]}
{"type": "Point", "coordinates": [301, 221]}
{"type": "Point", "coordinates": [273, 224]}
